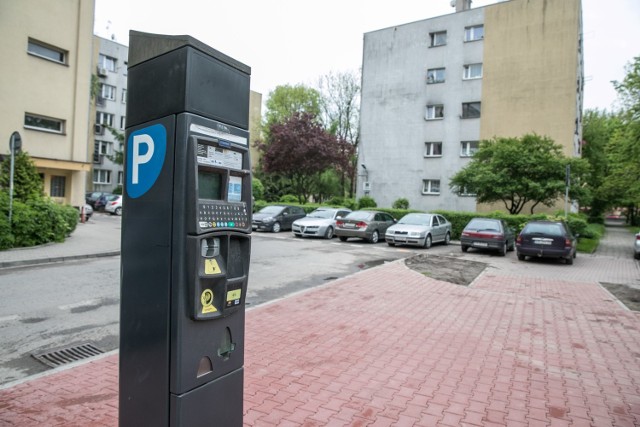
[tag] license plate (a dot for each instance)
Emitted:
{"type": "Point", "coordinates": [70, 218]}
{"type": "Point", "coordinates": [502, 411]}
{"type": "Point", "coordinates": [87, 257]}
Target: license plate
{"type": "Point", "coordinates": [400, 240]}
{"type": "Point", "coordinates": [349, 225]}
{"type": "Point", "coordinates": [481, 244]}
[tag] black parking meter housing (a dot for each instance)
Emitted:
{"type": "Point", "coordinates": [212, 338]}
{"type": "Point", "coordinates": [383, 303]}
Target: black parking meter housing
{"type": "Point", "coordinates": [186, 228]}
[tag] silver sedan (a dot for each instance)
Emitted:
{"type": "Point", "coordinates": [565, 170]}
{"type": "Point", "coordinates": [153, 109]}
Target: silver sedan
{"type": "Point", "coordinates": [319, 223]}
{"type": "Point", "coordinates": [419, 229]}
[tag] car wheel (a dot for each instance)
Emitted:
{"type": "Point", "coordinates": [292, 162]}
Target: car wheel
{"type": "Point", "coordinates": [276, 227]}
{"type": "Point", "coordinates": [503, 249]}
{"type": "Point", "coordinates": [374, 237]}
{"type": "Point", "coordinates": [521, 257]}
{"type": "Point", "coordinates": [427, 242]}
{"type": "Point", "coordinates": [329, 233]}
{"type": "Point", "coordinates": [464, 248]}
{"type": "Point", "coordinates": [447, 239]}
{"type": "Point", "coordinates": [569, 261]}
{"type": "Point", "coordinates": [636, 256]}
{"type": "Point", "coordinates": [343, 238]}
{"type": "Point", "coordinates": [118, 211]}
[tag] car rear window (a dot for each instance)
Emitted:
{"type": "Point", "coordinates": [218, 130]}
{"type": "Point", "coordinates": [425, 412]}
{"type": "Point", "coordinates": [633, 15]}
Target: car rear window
{"type": "Point", "coordinates": [359, 215]}
{"type": "Point", "coordinates": [483, 225]}
{"type": "Point", "coordinates": [547, 229]}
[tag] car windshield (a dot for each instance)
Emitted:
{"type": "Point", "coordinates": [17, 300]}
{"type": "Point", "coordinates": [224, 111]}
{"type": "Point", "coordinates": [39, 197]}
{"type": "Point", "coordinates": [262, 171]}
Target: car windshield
{"type": "Point", "coordinates": [271, 210]}
{"type": "Point", "coordinates": [547, 229]}
{"type": "Point", "coordinates": [415, 219]}
{"type": "Point", "coordinates": [359, 215]}
{"type": "Point", "coordinates": [321, 213]}
{"type": "Point", "coordinates": [483, 224]}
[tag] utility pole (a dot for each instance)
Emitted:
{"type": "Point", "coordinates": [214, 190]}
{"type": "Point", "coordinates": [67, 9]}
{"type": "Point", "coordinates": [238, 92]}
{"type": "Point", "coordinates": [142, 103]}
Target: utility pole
{"type": "Point", "coordinates": [15, 145]}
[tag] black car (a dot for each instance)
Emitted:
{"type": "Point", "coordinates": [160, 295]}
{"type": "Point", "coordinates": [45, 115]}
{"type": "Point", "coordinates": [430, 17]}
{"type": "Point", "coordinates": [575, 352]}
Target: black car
{"type": "Point", "coordinates": [276, 218]}
{"type": "Point", "coordinates": [488, 233]}
{"type": "Point", "coordinates": [102, 201]}
{"type": "Point", "coordinates": [546, 239]}
{"type": "Point", "coordinates": [92, 197]}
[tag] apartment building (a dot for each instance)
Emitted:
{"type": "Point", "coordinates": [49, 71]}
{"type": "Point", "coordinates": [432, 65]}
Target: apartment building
{"type": "Point", "coordinates": [45, 89]}
{"type": "Point", "coordinates": [110, 114]}
{"type": "Point", "coordinates": [432, 89]}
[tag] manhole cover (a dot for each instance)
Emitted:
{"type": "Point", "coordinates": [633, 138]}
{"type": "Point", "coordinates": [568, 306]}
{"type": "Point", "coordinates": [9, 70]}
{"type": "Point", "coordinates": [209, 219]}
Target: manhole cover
{"type": "Point", "coordinates": [62, 356]}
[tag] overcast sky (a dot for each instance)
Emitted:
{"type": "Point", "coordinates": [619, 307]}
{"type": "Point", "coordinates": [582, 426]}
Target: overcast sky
{"type": "Point", "coordinates": [297, 41]}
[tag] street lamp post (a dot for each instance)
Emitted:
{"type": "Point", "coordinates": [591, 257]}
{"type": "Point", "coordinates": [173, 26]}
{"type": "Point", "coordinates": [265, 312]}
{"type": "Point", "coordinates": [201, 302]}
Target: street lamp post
{"type": "Point", "coordinates": [15, 144]}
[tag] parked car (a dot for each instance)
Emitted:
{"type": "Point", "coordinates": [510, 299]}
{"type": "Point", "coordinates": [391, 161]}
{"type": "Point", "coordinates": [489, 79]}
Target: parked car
{"type": "Point", "coordinates": [419, 229]}
{"type": "Point", "coordinates": [319, 223]}
{"type": "Point", "coordinates": [368, 225]}
{"type": "Point", "coordinates": [114, 205]}
{"type": "Point", "coordinates": [275, 218]}
{"type": "Point", "coordinates": [93, 196]}
{"type": "Point", "coordinates": [546, 239]}
{"type": "Point", "coordinates": [101, 202]}
{"type": "Point", "coordinates": [488, 233]}
{"type": "Point", "coordinates": [636, 247]}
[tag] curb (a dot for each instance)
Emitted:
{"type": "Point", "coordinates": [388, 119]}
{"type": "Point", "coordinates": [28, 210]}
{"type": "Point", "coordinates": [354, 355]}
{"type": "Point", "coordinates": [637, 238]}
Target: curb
{"type": "Point", "coordinates": [51, 260]}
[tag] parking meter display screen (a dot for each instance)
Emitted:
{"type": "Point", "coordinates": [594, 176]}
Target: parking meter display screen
{"type": "Point", "coordinates": [209, 185]}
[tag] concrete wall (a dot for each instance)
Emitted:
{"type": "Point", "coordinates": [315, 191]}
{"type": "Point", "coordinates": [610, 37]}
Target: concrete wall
{"type": "Point", "coordinates": [31, 84]}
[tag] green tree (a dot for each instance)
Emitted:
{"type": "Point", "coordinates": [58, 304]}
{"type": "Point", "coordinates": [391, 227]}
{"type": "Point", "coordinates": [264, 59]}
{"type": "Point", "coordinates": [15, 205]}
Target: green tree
{"type": "Point", "coordinates": [284, 101]}
{"type": "Point", "coordinates": [27, 184]}
{"type": "Point", "coordinates": [520, 171]}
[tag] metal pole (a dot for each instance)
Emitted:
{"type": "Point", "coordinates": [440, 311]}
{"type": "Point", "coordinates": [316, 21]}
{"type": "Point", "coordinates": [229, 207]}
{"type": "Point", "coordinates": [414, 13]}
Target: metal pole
{"type": "Point", "coordinates": [567, 182]}
{"type": "Point", "coordinates": [15, 142]}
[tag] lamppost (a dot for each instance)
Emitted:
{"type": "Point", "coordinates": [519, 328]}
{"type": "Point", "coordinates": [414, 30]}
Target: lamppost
{"type": "Point", "coordinates": [15, 144]}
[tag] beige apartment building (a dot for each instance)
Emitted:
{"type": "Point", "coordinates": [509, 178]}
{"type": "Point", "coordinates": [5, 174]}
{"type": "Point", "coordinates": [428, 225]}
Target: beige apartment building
{"type": "Point", "coordinates": [45, 89]}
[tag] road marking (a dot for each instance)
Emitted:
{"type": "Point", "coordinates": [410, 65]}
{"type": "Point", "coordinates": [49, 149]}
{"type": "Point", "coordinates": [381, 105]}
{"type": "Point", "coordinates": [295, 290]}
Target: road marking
{"type": "Point", "coordinates": [85, 303]}
{"type": "Point", "coordinates": [9, 318]}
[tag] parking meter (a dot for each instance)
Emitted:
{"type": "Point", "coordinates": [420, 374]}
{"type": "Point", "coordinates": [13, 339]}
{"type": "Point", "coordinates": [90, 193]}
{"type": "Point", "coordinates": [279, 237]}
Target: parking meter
{"type": "Point", "coordinates": [186, 228]}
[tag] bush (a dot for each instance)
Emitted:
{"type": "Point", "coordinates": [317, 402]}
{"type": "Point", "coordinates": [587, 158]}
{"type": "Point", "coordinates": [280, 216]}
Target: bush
{"type": "Point", "coordinates": [366, 202]}
{"type": "Point", "coordinates": [289, 198]}
{"type": "Point", "coordinates": [401, 203]}
{"type": "Point", "coordinates": [117, 190]}
{"type": "Point", "coordinates": [257, 189]}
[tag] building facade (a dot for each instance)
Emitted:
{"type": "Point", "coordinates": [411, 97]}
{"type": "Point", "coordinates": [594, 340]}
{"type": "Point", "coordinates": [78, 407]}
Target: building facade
{"type": "Point", "coordinates": [110, 114]}
{"type": "Point", "coordinates": [432, 89]}
{"type": "Point", "coordinates": [45, 89]}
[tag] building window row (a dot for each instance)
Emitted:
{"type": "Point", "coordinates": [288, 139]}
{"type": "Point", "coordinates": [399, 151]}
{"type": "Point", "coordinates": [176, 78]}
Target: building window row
{"type": "Point", "coordinates": [434, 149]}
{"type": "Point", "coordinates": [431, 187]}
{"type": "Point", "coordinates": [469, 72]}
{"type": "Point", "coordinates": [47, 51]}
{"type": "Point", "coordinates": [470, 110]}
{"type": "Point", "coordinates": [101, 176]}
{"type": "Point", "coordinates": [107, 63]}
{"type": "Point", "coordinates": [471, 33]}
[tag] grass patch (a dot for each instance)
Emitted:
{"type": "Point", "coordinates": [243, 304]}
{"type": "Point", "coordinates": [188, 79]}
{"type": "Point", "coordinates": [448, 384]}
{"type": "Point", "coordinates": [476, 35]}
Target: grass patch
{"type": "Point", "coordinates": [587, 246]}
{"type": "Point", "coordinates": [589, 240]}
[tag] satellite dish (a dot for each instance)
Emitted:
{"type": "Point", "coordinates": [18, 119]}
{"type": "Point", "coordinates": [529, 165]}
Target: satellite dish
{"type": "Point", "coordinates": [453, 3]}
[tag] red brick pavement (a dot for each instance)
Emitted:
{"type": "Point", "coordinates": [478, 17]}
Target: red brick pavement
{"type": "Point", "coordinates": [389, 346]}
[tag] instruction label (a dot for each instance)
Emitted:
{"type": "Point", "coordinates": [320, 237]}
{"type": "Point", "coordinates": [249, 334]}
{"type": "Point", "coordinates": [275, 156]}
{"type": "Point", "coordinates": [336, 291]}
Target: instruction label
{"type": "Point", "coordinates": [206, 298]}
{"type": "Point", "coordinates": [211, 267]}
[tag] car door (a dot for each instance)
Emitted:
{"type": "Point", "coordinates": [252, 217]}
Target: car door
{"type": "Point", "coordinates": [286, 218]}
{"type": "Point", "coordinates": [386, 221]}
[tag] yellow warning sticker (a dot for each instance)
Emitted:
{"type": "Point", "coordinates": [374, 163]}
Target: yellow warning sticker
{"type": "Point", "coordinates": [206, 298]}
{"type": "Point", "coordinates": [233, 295]}
{"type": "Point", "coordinates": [211, 267]}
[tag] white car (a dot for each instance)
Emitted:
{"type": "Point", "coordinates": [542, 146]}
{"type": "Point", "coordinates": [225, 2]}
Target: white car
{"type": "Point", "coordinates": [114, 205]}
{"type": "Point", "coordinates": [319, 223]}
{"type": "Point", "coordinates": [636, 247]}
{"type": "Point", "coordinates": [418, 229]}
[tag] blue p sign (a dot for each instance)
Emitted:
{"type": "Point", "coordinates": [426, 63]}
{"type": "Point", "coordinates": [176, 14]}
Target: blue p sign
{"type": "Point", "coordinates": [146, 150]}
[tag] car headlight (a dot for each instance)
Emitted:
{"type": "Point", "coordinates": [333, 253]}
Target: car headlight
{"type": "Point", "coordinates": [268, 219]}
{"type": "Point", "coordinates": [415, 234]}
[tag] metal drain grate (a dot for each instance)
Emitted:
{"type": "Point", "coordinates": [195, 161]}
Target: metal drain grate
{"type": "Point", "coordinates": [62, 356]}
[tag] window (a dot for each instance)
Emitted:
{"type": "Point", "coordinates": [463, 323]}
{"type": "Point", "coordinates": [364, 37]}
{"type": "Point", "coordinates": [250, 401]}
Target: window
{"type": "Point", "coordinates": [434, 112]}
{"type": "Point", "coordinates": [45, 124]}
{"type": "Point", "coordinates": [438, 38]}
{"type": "Point", "coordinates": [470, 110]}
{"type": "Point", "coordinates": [433, 149]}
{"type": "Point", "coordinates": [46, 51]}
{"type": "Point", "coordinates": [468, 148]}
{"type": "Point", "coordinates": [104, 118]}
{"type": "Point", "coordinates": [107, 63]}
{"type": "Point", "coordinates": [430, 186]}
{"type": "Point", "coordinates": [123, 120]}
{"type": "Point", "coordinates": [124, 96]}
{"type": "Point", "coordinates": [108, 92]}
{"type": "Point", "coordinates": [435, 75]}
{"type": "Point", "coordinates": [120, 177]}
{"type": "Point", "coordinates": [57, 186]}
{"type": "Point", "coordinates": [101, 176]}
{"type": "Point", "coordinates": [464, 192]}
{"type": "Point", "coordinates": [472, 71]}
{"type": "Point", "coordinates": [102, 147]}
{"type": "Point", "coordinates": [474, 33]}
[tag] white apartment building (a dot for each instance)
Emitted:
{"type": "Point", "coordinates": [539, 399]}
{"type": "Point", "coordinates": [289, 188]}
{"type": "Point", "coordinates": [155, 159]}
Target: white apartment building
{"type": "Point", "coordinates": [432, 89]}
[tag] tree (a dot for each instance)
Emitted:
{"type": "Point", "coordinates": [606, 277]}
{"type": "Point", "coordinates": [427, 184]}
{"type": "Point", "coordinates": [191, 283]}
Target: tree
{"type": "Point", "coordinates": [300, 150]}
{"type": "Point", "coordinates": [340, 103]}
{"type": "Point", "coordinates": [520, 171]}
{"type": "Point", "coordinates": [27, 184]}
{"type": "Point", "coordinates": [284, 101]}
